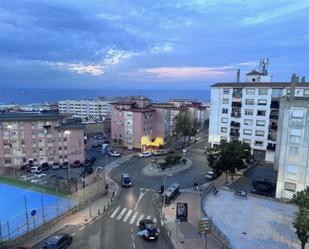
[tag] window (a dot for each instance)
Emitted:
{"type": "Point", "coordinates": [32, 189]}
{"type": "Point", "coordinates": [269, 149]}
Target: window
{"type": "Point", "coordinates": [263, 91]}
{"type": "Point", "coordinates": [260, 123]}
{"type": "Point", "coordinates": [223, 129]}
{"type": "Point", "coordinates": [248, 121]}
{"type": "Point", "coordinates": [259, 133]}
{"type": "Point", "coordinates": [296, 132]}
{"type": "Point", "coordinates": [225, 110]}
{"type": "Point", "coordinates": [225, 101]}
{"type": "Point", "coordinates": [262, 101]}
{"type": "Point", "coordinates": [261, 112]}
{"type": "Point", "coordinates": [306, 92]}
{"type": "Point", "coordinates": [223, 120]}
{"type": "Point", "coordinates": [248, 112]}
{"type": "Point", "coordinates": [250, 91]}
{"type": "Point", "coordinates": [293, 150]}
{"type": "Point", "coordinates": [247, 141]}
{"type": "Point", "coordinates": [258, 143]}
{"type": "Point", "coordinates": [289, 186]}
{"type": "Point", "coordinates": [247, 132]}
{"type": "Point", "coordinates": [226, 90]}
{"type": "Point", "coordinates": [294, 139]}
{"type": "Point", "coordinates": [223, 138]}
{"type": "Point", "coordinates": [249, 101]}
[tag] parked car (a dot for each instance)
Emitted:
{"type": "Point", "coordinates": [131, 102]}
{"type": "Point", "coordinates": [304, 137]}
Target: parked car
{"type": "Point", "coordinates": [41, 175]}
{"type": "Point", "coordinates": [65, 165]}
{"type": "Point", "coordinates": [126, 180]}
{"type": "Point", "coordinates": [160, 152]}
{"type": "Point", "coordinates": [77, 164]}
{"type": "Point", "coordinates": [151, 232]}
{"type": "Point", "coordinates": [211, 175]}
{"type": "Point", "coordinates": [35, 170]}
{"type": "Point", "coordinates": [114, 153]}
{"type": "Point", "coordinates": [25, 167]}
{"type": "Point", "coordinates": [55, 166]}
{"type": "Point", "coordinates": [96, 144]}
{"type": "Point", "coordinates": [59, 241]}
{"type": "Point", "coordinates": [45, 166]}
{"type": "Point", "coordinates": [86, 171]}
{"type": "Point", "coordinates": [145, 154]}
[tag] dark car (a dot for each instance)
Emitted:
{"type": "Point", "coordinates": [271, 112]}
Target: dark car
{"type": "Point", "coordinates": [90, 161]}
{"type": "Point", "coordinates": [77, 164]}
{"type": "Point", "coordinates": [160, 152]}
{"type": "Point", "coordinates": [65, 165]}
{"type": "Point", "coordinates": [150, 229]}
{"type": "Point", "coordinates": [86, 171]}
{"type": "Point", "coordinates": [59, 241]}
{"type": "Point", "coordinates": [265, 187]}
{"type": "Point", "coordinates": [45, 166]}
{"type": "Point", "coordinates": [25, 167]}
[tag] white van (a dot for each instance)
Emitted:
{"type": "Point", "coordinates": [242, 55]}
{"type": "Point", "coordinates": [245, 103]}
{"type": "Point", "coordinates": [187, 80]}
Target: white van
{"type": "Point", "coordinates": [35, 170]}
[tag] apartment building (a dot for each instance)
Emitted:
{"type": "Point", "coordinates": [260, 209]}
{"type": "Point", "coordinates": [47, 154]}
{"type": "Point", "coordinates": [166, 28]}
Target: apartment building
{"type": "Point", "coordinates": [136, 123]}
{"type": "Point", "coordinates": [99, 109]}
{"type": "Point", "coordinates": [292, 153]}
{"type": "Point", "coordinates": [39, 137]}
{"type": "Point", "coordinates": [248, 111]}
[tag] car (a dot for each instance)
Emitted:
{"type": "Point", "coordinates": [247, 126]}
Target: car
{"type": "Point", "coordinates": [41, 175]}
{"type": "Point", "coordinates": [77, 164]}
{"type": "Point", "coordinates": [126, 180]}
{"type": "Point", "coordinates": [114, 153]}
{"type": "Point", "coordinates": [58, 241]}
{"type": "Point", "coordinates": [86, 171]}
{"type": "Point", "coordinates": [160, 152]}
{"type": "Point", "coordinates": [25, 167]}
{"type": "Point", "coordinates": [151, 232]}
{"type": "Point", "coordinates": [55, 166]}
{"type": "Point", "coordinates": [45, 166]}
{"type": "Point", "coordinates": [35, 170]}
{"type": "Point", "coordinates": [105, 146]}
{"type": "Point", "coordinates": [145, 154]}
{"type": "Point", "coordinates": [65, 165]}
{"type": "Point", "coordinates": [96, 144]}
{"type": "Point", "coordinates": [211, 175]}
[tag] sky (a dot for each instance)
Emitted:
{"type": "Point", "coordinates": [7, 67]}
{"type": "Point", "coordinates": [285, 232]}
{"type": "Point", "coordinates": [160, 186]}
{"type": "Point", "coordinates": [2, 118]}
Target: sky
{"type": "Point", "coordinates": [153, 44]}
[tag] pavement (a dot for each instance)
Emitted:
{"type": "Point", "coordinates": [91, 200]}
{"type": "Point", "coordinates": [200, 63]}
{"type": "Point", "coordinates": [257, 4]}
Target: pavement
{"type": "Point", "coordinates": [185, 235]}
{"type": "Point", "coordinates": [255, 223]}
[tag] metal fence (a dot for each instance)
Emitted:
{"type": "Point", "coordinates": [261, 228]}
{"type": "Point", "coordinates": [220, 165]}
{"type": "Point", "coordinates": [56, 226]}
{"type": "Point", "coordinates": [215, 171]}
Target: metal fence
{"type": "Point", "coordinates": [34, 209]}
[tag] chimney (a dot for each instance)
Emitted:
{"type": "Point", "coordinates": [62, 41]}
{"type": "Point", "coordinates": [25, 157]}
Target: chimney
{"type": "Point", "coordinates": [303, 79]}
{"type": "Point", "coordinates": [294, 79]}
{"type": "Point", "coordinates": [238, 76]}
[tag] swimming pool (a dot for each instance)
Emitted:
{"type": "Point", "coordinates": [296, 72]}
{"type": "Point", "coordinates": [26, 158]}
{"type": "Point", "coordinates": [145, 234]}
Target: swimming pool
{"type": "Point", "coordinates": [18, 206]}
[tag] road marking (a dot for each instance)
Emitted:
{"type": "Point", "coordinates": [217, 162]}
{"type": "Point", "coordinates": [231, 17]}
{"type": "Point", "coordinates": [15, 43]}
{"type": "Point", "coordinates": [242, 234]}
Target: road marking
{"type": "Point", "coordinates": [97, 218]}
{"type": "Point", "coordinates": [115, 212]}
{"type": "Point", "coordinates": [148, 217]}
{"type": "Point", "coordinates": [127, 215]}
{"type": "Point", "coordinates": [73, 234]}
{"type": "Point", "coordinates": [82, 228]}
{"type": "Point", "coordinates": [90, 222]}
{"type": "Point", "coordinates": [121, 213]}
{"type": "Point", "coordinates": [140, 218]}
{"type": "Point", "coordinates": [133, 217]}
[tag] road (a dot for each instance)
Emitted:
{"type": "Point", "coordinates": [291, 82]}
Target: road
{"type": "Point", "coordinates": [118, 227]}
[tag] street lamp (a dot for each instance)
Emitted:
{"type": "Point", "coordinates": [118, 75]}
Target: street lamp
{"type": "Point", "coordinates": [163, 204]}
{"type": "Point", "coordinates": [67, 133]}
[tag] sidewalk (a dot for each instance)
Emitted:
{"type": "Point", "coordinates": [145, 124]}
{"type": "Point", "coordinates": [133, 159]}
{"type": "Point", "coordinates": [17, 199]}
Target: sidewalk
{"type": "Point", "coordinates": [186, 236]}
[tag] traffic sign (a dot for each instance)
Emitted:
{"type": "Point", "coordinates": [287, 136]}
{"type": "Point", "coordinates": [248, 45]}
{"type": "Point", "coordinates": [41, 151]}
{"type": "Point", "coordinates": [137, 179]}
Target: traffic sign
{"type": "Point", "coordinates": [33, 212]}
{"type": "Point", "coordinates": [204, 225]}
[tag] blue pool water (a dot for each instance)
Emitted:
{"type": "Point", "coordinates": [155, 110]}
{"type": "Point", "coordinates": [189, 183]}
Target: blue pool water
{"type": "Point", "coordinates": [13, 205]}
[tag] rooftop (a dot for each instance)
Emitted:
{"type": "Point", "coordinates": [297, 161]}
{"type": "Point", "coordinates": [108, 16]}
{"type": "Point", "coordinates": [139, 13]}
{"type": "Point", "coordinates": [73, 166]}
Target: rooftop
{"type": "Point", "coordinates": [71, 126]}
{"type": "Point", "coordinates": [259, 84]}
{"type": "Point", "coordinates": [254, 72]}
{"type": "Point", "coordinates": [28, 116]}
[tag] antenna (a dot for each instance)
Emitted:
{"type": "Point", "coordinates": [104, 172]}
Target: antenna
{"type": "Point", "coordinates": [264, 62]}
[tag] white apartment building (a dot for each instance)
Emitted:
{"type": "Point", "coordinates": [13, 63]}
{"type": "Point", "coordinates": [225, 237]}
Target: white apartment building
{"type": "Point", "coordinates": [86, 109]}
{"type": "Point", "coordinates": [292, 154]}
{"type": "Point", "coordinates": [249, 111]}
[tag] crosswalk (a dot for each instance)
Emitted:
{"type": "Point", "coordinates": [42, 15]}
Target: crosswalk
{"type": "Point", "coordinates": [129, 216]}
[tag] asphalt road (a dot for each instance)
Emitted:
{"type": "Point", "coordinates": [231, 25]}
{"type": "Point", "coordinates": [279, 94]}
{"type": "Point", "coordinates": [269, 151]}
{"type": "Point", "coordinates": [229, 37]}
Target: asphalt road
{"type": "Point", "coordinates": [117, 228]}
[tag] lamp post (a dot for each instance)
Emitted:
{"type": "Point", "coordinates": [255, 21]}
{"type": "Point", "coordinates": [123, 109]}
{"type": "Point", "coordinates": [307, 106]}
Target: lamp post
{"type": "Point", "coordinates": [67, 134]}
{"type": "Point", "coordinates": [163, 204]}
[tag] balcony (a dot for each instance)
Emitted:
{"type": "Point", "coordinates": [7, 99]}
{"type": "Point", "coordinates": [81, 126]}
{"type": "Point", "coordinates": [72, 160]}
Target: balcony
{"type": "Point", "coordinates": [272, 136]}
{"type": "Point", "coordinates": [235, 124]}
{"type": "Point", "coordinates": [236, 113]}
{"type": "Point", "coordinates": [234, 133]}
{"type": "Point", "coordinates": [274, 116]}
{"type": "Point", "coordinates": [237, 93]}
{"type": "Point", "coordinates": [236, 104]}
{"type": "Point", "coordinates": [271, 147]}
{"type": "Point", "coordinates": [273, 126]}
{"type": "Point", "coordinates": [274, 104]}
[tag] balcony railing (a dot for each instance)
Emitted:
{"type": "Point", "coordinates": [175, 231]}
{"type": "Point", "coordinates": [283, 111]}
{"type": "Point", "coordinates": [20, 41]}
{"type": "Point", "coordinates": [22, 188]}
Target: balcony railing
{"type": "Point", "coordinates": [271, 147]}
{"type": "Point", "coordinates": [272, 137]}
{"type": "Point", "coordinates": [236, 114]}
{"type": "Point", "coordinates": [235, 124]}
{"type": "Point", "coordinates": [274, 116]}
{"type": "Point", "coordinates": [274, 105]}
{"type": "Point", "coordinates": [273, 127]}
{"type": "Point", "coordinates": [236, 104]}
{"type": "Point", "coordinates": [234, 134]}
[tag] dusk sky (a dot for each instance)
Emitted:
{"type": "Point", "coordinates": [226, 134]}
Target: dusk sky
{"type": "Point", "coordinates": [149, 43]}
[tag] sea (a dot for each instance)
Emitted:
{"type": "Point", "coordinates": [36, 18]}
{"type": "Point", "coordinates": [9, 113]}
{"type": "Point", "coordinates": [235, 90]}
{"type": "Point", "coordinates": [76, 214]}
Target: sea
{"type": "Point", "coordinates": [30, 96]}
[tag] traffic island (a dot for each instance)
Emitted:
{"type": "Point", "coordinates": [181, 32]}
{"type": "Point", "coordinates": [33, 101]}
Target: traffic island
{"type": "Point", "coordinates": [155, 169]}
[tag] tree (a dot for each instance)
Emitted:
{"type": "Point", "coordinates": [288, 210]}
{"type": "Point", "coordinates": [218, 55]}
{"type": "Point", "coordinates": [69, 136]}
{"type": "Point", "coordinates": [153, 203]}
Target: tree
{"type": "Point", "coordinates": [301, 224]}
{"type": "Point", "coordinates": [185, 126]}
{"type": "Point", "coordinates": [230, 156]}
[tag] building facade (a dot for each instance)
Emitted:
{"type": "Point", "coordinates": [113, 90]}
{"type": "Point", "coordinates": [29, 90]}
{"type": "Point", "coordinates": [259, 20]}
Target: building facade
{"type": "Point", "coordinates": [39, 138]}
{"type": "Point", "coordinates": [249, 112]}
{"type": "Point", "coordinates": [86, 109]}
{"type": "Point", "coordinates": [292, 154]}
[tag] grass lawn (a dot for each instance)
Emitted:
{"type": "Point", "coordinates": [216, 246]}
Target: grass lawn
{"type": "Point", "coordinates": [32, 186]}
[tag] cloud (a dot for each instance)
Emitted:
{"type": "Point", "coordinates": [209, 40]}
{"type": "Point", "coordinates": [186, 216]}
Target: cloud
{"type": "Point", "coordinates": [114, 56]}
{"type": "Point", "coordinates": [186, 72]}
{"type": "Point", "coordinates": [162, 48]}
{"type": "Point", "coordinates": [79, 68]}
{"type": "Point", "coordinates": [286, 11]}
